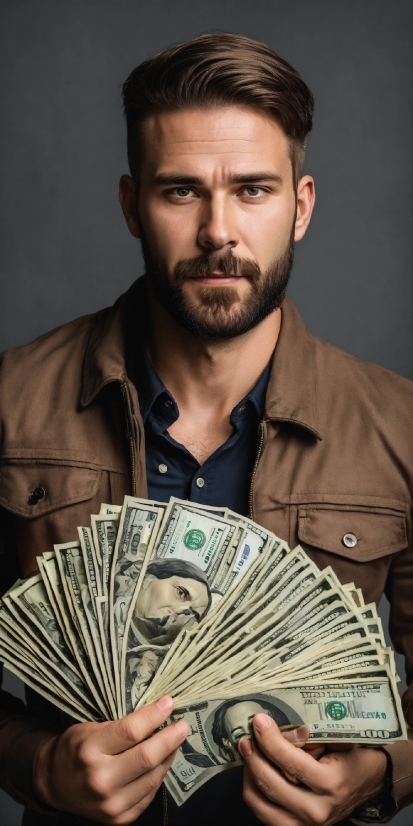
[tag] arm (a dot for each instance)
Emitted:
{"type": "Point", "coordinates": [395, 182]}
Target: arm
{"type": "Point", "coordinates": [399, 590]}
{"type": "Point", "coordinates": [21, 734]}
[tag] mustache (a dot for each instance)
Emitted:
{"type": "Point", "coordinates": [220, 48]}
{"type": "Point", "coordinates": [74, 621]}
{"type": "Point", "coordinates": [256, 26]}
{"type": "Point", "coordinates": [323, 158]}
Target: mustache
{"type": "Point", "coordinates": [226, 263]}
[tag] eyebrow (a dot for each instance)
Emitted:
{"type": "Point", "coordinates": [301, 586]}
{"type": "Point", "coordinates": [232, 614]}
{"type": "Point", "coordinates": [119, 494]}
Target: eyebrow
{"type": "Point", "coordinates": [166, 178]}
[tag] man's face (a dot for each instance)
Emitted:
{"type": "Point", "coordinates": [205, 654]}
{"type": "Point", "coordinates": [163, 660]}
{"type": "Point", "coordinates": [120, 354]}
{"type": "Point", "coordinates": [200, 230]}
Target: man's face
{"type": "Point", "coordinates": [216, 215]}
{"type": "Point", "coordinates": [169, 604]}
{"type": "Point", "coordinates": [238, 720]}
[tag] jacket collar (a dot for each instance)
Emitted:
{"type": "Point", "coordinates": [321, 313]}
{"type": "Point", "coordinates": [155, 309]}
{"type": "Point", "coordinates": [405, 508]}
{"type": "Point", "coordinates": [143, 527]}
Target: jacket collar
{"type": "Point", "coordinates": [291, 392]}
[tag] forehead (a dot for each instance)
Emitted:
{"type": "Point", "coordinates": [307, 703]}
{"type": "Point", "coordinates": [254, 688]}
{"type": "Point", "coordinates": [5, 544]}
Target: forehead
{"type": "Point", "coordinates": [242, 711]}
{"type": "Point", "coordinates": [236, 136]}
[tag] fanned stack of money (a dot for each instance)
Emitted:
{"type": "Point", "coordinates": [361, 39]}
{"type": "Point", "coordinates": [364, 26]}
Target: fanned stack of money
{"type": "Point", "coordinates": [207, 606]}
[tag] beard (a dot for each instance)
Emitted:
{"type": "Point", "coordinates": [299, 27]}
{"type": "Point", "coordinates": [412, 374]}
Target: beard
{"type": "Point", "coordinates": [220, 313]}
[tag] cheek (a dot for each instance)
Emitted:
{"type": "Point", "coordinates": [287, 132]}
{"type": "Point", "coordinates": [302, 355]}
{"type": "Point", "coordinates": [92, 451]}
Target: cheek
{"type": "Point", "coordinates": [171, 231]}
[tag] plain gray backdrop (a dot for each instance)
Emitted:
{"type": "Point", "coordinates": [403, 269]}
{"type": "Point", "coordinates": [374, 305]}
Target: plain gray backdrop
{"type": "Point", "coordinates": [64, 248]}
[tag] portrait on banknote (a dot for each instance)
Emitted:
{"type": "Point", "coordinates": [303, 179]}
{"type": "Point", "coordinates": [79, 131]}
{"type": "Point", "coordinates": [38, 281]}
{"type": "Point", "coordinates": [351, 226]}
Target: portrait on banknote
{"type": "Point", "coordinates": [174, 593]}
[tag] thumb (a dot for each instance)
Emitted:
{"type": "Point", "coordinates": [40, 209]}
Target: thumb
{"type": "Point", "coordinates": [297, 736]}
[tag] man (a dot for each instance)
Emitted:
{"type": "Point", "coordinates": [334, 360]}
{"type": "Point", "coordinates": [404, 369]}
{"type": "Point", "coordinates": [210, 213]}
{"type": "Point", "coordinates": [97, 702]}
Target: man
{"type": "Point", "coordinates": [173, 593]}
{"type": "Point", "coordinates": [167, 391]}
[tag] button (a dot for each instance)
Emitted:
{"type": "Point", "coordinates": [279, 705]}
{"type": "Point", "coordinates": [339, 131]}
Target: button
{"type": "Point", "coordinates": [37, 494]}
{"type": "Point", "coordinates": [349, 540]}
{"type": "Point", "coordinates": [163, 468]}
{"type": "Point", "coordinates": [241, 409]}
{"type": "Point", "coordinates": [200, 482]}
{"type": "Point", "coordinates": [168, 403]}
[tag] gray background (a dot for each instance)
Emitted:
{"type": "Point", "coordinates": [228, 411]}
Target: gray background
{"type": "Point", "coordinates": [64, 249]}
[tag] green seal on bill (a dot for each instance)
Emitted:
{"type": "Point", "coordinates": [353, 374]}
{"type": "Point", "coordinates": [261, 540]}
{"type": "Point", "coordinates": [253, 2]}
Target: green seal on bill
{"type": "Point", "coordinates": [194, 539]}
{"type": "Point", "coordinates": [336, 710]}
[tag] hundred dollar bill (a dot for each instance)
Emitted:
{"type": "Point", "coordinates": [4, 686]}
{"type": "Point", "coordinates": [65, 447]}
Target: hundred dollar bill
{"type": "Point", "coordinates": [175, 589]}
{"type": "Point", "coordinates": [349, 712]}
{"type": "Point", "coordinates": [75, 581]}
{"type": "Point", "coordinates": [138, 527]}
{"type": "Point", "coordinates": [31, 600]}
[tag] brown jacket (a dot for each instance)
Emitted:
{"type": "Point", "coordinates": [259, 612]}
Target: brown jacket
{"type": "Point", "coordinates": [335, 455]}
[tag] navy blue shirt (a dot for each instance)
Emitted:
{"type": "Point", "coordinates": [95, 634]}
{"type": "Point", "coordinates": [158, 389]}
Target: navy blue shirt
{"type": "Point", "coordinates": [223, 479]}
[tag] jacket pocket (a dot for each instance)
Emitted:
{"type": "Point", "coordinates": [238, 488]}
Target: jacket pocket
{"type": "Point", "coordinates": [358, 528]}
{"type": "Point", "coordinates": [32, 490]}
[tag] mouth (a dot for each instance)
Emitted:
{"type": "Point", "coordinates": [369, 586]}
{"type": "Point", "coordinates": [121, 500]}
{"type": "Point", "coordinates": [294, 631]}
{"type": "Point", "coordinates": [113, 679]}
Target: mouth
{"type": "Point", "coordinates": [216, 279]}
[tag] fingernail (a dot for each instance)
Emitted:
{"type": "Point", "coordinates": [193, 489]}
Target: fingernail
{"type": "Point", "coordinates": [245, 747]}
{"type": "Point", "coordinates": [301, 733]}
{"type": "Point", "coordinates": [182, 729]}
{"type": "Point", "coordinates": [165, 704]}
{"type": "Point", "coordinates": [262, 721]}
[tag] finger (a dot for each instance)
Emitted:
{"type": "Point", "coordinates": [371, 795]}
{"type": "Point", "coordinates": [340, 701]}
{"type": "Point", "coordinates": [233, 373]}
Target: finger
{"type": "Point", "coordinates": [273, 784]}
{"type": "Point", "coordinates": [135, 811]}
{"type": "Point", "coordinates": [297, 736]}
{"type": "Point", "coordinates": [292, 761]}
{"type": "Point", "coordinates": [269, 813]}
{"type": "Point", "coordinates": [149, 754]}
{"type": "Point", "coordinates": [145, 787]}
{"type": "Point", "coordinates": [315, 749]}
{"type": "Point", "coordinates": [114, 738]}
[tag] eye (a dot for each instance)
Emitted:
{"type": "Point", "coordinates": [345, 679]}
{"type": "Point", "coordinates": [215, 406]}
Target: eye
{"type": "Point", "coordinates": [182, 192]}
{"type": "Point", "coordinates": [183, 593]}
{"type": "Point", "coordinates": [253, 191]}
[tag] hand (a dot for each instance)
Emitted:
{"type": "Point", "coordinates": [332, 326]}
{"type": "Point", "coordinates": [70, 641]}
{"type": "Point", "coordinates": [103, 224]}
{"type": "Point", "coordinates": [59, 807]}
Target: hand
{"type": "Point", "coordinates": [298, 737]}
{"type": "Point", "coordinates": [109, 772]}
{"type": "Point", "coordinates": [284, 786]}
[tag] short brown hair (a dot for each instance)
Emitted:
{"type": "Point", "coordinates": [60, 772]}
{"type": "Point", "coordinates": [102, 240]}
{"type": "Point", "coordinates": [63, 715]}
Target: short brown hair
{"type": "Point", "coordinates": [219, 69]}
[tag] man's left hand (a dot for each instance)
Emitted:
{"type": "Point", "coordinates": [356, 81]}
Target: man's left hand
{"type": "Point", "coordinates": [285, 786]}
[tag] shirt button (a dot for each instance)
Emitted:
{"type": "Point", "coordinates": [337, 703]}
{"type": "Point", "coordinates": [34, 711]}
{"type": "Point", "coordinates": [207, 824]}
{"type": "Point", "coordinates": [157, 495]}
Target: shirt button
{"type": "Point", "coordinates": [163, 468]}
{"type": "Point", "coordinates": [168, 403]}
{"type": "Point", "coordinates": [200, 482]}
{"type": "Point", "coordinates": [241, 409]}
{"type": "Point", "coordinates": [349, 540]}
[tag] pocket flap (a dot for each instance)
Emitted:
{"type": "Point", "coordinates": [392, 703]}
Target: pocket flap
{"type": "Point", "coordinates": [58, 486]}
{"type": "Point", "coordinates": [356, 532]}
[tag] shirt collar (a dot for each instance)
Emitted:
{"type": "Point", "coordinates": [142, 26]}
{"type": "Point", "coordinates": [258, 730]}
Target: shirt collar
{"type": "Point", "coordinates": [152, 391]}
{"type": "Point", "coordinates": [292, 386]}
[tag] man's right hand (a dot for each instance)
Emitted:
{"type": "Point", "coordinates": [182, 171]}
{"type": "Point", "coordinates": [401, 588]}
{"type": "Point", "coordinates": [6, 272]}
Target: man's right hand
{"type": "Point", "coordinates": [109, 772]}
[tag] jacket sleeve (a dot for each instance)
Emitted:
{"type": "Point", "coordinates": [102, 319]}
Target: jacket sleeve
{"type": "Point", "coordinates": [21, 737]}
{"type": "Point", "coordinates": [21, 734]}
{"type": "Point", "coordinates": [399, 592]}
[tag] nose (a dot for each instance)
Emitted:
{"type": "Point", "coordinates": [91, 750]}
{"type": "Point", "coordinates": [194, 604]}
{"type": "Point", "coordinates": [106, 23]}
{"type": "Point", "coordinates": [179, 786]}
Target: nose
{"type": "Point", "coordinates": [217, 229]}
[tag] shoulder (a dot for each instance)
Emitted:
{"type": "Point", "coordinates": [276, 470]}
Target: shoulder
{"type": "Point", "coordinates": [359, 379]}
{"type": "Point", "coordinates": [54, 345]}
{"type": "Point", "coordinates": [362, 398]}
{"type": "Point", "coordinates": [43, 376]}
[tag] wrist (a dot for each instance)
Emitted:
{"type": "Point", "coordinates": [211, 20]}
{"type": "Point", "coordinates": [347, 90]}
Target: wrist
{"type": "Point", "coordinates": [380, 804]}
{"type": "Point", "coordinates": [43, 771]}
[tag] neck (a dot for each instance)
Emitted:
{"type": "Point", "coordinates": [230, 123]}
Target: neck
{"type": "Point", "coordinates": [214, 375]}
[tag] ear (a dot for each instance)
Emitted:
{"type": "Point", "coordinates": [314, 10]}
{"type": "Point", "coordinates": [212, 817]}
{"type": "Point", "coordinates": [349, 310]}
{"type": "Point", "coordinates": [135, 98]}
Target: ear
{"type": "Point", "coordinates": [129, 203]}
{"type": "Point", "coordinates": [305, 205]}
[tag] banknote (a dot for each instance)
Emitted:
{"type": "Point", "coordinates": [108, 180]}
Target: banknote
{"type": "Point", "coordinates": [356, 712]}
{"type": "Point", "coordinates": [137, 530]}
{"type": "Point", "coordinates": [208, 606]}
